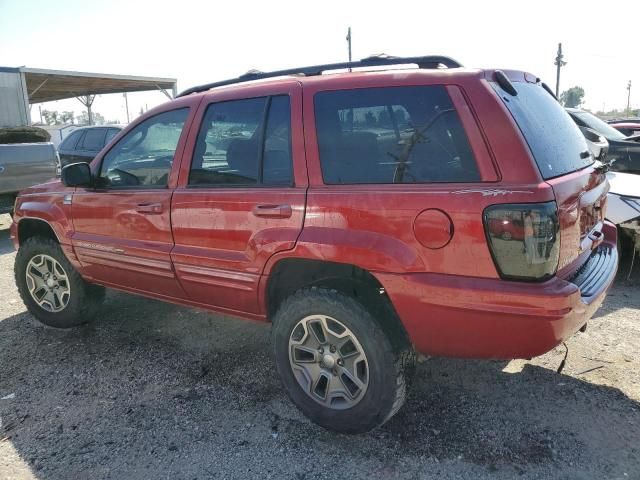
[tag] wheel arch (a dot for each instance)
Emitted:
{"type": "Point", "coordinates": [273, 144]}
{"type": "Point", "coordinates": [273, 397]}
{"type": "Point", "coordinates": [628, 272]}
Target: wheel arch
{"type": "Point", "coordinates": [291, 274]}
{"type": "Point", "coordinates": [29, 227]}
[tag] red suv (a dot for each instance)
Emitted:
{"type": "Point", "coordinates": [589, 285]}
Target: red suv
{"type": "Point", "coordinates": [362, 213]}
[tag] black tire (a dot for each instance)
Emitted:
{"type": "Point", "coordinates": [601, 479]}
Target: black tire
{"type": "Point", "coordinates": [84, 298]}
{"type": "Point", "coordinates": [389, 368]}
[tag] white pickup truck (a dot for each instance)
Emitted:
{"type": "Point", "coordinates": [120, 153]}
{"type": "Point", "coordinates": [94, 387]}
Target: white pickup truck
{"type": "Point", "coordinates": [23, 165]}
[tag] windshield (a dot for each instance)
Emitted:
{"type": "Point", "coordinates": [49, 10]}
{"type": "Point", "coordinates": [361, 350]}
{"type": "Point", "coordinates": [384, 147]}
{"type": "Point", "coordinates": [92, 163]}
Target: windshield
{"type": "Point", "coordinates": [556, 143]}
{"type": "Point", "coordinates": [604, 129]}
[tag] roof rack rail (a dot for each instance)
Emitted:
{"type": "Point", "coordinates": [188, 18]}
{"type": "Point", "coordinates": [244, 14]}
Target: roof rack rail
{"type": "Point", "coordinates": [431, 61]}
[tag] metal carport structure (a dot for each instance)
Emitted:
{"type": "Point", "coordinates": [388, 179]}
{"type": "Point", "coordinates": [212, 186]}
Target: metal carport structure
{"type": "Point", "coordinates": [22, 86]}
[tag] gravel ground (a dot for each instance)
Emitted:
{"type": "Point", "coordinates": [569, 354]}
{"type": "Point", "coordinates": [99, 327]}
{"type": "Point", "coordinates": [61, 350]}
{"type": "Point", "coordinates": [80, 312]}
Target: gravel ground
{"type": "Point", "coordinates": [151, 390]}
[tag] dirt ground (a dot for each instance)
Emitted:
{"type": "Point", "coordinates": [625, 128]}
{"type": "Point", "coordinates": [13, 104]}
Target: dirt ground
{"type": "Point", "coordinates": [151, 390]}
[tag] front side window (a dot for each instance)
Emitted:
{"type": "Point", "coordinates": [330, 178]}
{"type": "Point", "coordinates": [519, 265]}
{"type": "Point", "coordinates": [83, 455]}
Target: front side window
{"type": "Point", "coordinates": [93, 139]}
{"type": "Point", "coordinates": [144, 156]}
{"type": "Point", "coordinates": [244, 142]}
{"type": "Point", "coordinates": [392, 135]}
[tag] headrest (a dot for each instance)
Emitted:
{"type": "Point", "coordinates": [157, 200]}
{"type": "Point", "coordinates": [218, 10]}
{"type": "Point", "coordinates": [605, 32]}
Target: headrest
{"type": "Point", "coordinates": [242, 155]}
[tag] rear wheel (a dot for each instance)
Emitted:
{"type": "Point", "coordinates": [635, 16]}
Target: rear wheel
{"type": "Point", "coordinates": [336, 363]}
{"type": "Point", "coordinates": [51, 288]}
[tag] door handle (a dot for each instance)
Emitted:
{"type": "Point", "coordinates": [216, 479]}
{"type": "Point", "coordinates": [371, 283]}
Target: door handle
{"type": "Point", "coordinates": [149, 208]}
{"type": "Point", "coordinates": [272, 211]}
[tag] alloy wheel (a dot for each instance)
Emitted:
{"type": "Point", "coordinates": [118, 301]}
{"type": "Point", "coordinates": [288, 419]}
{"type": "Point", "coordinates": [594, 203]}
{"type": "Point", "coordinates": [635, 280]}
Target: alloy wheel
{"type": "Point", "coordinates": [328, 362]}
{"type": "Point", "coordinates": [48, 283]}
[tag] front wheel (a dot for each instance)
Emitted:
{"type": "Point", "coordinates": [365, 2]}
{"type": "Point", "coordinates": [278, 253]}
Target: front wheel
{"type": "Point", "coordinates": [52, 290]}
{"type": "Point", "coordinates": [336, 363]}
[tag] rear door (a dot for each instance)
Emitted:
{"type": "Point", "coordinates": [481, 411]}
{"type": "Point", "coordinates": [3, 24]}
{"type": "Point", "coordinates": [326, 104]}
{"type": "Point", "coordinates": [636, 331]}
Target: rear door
{"type": "Point", "coordinates": [238, 200]}
{"type": "Point", "coordinates": [123, 225]}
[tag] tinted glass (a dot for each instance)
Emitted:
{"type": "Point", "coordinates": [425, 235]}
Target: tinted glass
{"type": "Point", "coordinates": [112, 132]}
{"type": "Point", "coordinates": [143, 157]}
{"type": "Point", "coordinates": [556, 143]}
{"type": "Point", "coordinates": [69, 143]}
{"type": "Point", "coordinates": [93, 139]}
{"type": "Point", "coordinates": [392, 135]}
{"type": "Point", "coordinates": [228, 147]}
{"type": "Point", "coordinates": [276, 167]}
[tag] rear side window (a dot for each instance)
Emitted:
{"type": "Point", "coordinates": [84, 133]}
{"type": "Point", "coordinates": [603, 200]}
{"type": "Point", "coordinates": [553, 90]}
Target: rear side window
{"type": "Point", "coordinates": [69, 143]}
{"type": "Point", "coordinates": [93, 139]}
{"type": "Point", "coordinates": [556, 142]}
{"type": "Point", "coordinates": [392, 135]}
{"type": "Point", "coordinates": [244, 142]}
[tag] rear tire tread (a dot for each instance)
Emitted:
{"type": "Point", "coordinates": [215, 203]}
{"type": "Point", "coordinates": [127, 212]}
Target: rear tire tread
{"type": "Point", "coordinates": [402, 366]}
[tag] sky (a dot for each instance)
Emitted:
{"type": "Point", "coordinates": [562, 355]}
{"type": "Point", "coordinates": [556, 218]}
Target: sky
{"type": "Point", "coordinates": [203, 41]}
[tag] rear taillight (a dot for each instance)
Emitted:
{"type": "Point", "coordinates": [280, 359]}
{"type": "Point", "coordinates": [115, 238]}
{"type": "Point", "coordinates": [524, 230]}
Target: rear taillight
{"type": "Point", "coordinates": [524, 239]}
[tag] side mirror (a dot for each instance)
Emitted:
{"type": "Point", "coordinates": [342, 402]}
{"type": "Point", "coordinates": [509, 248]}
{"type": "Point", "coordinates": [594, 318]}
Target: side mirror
{"type": "Point", "coordinates": [76, 175]}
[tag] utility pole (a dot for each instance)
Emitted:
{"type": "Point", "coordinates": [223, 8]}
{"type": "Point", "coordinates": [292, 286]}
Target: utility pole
{"type": "Point", "coordinates": [126, 105]}
{"type": "Point", "coordinates": [349, 42]}
{"type": "Point", "coordinates": [559, 64]}
{"type": "Point", "coordinates": [629, 98]}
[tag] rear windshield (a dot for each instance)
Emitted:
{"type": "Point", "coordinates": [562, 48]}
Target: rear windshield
{"type": "Point", "coordinates": [556, 142]}
{"type": "Point", "coordinates": [586, 119]}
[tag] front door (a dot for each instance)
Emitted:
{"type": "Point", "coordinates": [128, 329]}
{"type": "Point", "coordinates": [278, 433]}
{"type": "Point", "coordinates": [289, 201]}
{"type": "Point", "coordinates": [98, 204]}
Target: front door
{"type": "Point", "coordinates": [123, 224]}
{"type": "Point", "coordinates": [238, 201]}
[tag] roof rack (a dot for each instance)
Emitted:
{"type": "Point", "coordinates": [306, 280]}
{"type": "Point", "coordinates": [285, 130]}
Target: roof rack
{"type": "Point", "coordinates": [428, 62]}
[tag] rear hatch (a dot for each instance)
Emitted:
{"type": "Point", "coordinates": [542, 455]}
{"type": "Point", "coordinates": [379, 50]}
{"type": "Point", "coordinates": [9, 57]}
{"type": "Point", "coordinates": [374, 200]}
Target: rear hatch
{"type": "Point", "coordinates": [566, 164]}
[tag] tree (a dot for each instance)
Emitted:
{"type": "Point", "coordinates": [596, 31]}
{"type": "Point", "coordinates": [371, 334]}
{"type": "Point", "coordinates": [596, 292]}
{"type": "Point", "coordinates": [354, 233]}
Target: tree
{"type": "Point", "coordinates": [572, 98]}
{"type": "Point", "coordinates": [83, 118]}
{"type": "Point", "coordinates": [50, 117]}
{"type": "Point", "coordinates": [66, 117]}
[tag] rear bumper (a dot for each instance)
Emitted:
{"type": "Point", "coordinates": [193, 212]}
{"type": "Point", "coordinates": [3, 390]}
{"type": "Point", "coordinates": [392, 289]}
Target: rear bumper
{"type": "Point", "coordinates": [491, 318]}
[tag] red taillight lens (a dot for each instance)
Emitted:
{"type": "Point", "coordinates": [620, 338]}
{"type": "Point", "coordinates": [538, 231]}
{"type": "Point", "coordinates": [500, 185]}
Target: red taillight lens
{"type": "Point", "coordinates": [524, 239]}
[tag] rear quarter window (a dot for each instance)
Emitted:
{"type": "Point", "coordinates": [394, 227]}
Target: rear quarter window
{"type": "Point", "coordinates": [555, 141]}
{"type": "Point", "coordinates": [392, 135]}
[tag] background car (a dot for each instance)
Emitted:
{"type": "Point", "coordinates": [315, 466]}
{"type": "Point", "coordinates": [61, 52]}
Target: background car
{"type": "Point", "coordinates": [629, 129]}
{"type": "Point", "coordinates": [83, 144]}
{"type": "Point", "coordinates": [624, 151]}
{"type": "Point", "coordinates": [598, 145]}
